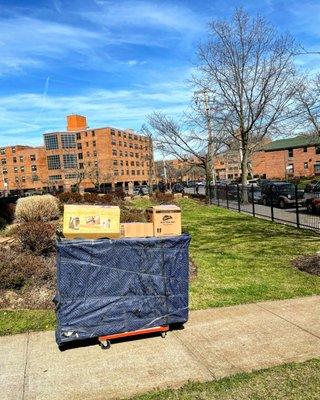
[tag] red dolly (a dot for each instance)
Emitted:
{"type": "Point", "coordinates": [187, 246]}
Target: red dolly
{"type": "Point", "coordinates": [105, 340]}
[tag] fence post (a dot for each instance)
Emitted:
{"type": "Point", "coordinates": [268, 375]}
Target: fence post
{"type": "Point", "coordinates": [271, 198]}
{"type": "Point", "coordinates": [238, 197]}
{"type": "Point", "coordinates": [297, 206]}
{"type": "Point", "coordinates": [227, 196]}
{"type": "Point", "coordinates": [218, 196]}
{"type": "Point", "coordinates": [252, 199]}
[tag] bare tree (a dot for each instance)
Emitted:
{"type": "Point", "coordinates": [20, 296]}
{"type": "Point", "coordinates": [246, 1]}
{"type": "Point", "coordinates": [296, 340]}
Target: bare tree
{"type": "Point", "coordinates": [188, 140]}
{"type": "Point", "coordinates": [248, 69]}
{"type": "Point", "coordinates": [99, 175]}
{"type": "Point", "coordinates": [308, 104]}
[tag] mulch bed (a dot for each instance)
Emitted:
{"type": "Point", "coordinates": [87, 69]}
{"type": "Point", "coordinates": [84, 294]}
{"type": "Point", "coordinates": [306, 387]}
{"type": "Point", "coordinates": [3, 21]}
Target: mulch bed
{"type": "Point", "coordinates": [309, 264]}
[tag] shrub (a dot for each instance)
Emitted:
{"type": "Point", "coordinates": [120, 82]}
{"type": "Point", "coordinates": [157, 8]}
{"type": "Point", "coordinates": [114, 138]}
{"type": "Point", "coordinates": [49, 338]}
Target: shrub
{"type": "Point", "coordinates": [70, 197]}
{"type": "Point", "coordinates": [163, 197]}
{"type": "Point", "coordinates": [37, 208]}
{"type": "Point", "coordinates": [119, 193]}
{"type": "Point", "coordinates": [37, 237]}
{"type": "Point", "coordinates": [3, 224]}
{"type": "Point", "coordinates": [91, 198]}
{"type": "Point", "coordinates": [132, 215]}
{"type": "Point", "coordinates": [17, 269]}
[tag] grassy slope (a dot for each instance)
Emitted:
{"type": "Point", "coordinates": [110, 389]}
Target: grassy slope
{"type": "Point", "coordinates": [240, 259]}
{"type": "Point", "coordinates": [287, 382]}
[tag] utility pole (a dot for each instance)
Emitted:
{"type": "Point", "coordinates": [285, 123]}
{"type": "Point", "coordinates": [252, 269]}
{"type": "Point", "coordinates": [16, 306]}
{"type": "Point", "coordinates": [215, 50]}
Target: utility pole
{"type": "Point", "coordinates": [210, 149]}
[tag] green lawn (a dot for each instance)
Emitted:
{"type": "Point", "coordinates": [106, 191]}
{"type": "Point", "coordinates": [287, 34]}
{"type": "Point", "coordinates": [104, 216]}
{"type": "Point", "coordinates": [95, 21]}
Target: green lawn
{"type": "Point", "coordinates": [287, 382]}
{"type": "Point", "coordinates": [240, 259]}
{"type": "Point", "coordinates": [19, 321]}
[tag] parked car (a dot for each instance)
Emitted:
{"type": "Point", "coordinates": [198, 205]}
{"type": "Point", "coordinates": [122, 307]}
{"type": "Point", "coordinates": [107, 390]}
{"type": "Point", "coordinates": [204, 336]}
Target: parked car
{"type": "Point", "coordinates": [177, 188]}
{"type": "Point", "coordinates": [256, 196]}
{"type": "Point", "coordinates": [280, 194]}
{"type": "Point", "coordinates": [311, 198]}
{"type": "Point", "coordinates": [142, 190]}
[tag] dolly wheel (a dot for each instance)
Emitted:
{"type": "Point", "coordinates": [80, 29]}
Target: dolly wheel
{"type": "Point", "coordinates": [163, 334]}
{"type": "Point", "coordinates": [105, 345]}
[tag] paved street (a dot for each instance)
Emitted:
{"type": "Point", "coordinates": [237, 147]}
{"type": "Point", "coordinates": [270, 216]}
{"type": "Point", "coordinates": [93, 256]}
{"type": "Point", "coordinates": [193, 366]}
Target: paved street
{"type": "Point", "coordinates": [215, 343]}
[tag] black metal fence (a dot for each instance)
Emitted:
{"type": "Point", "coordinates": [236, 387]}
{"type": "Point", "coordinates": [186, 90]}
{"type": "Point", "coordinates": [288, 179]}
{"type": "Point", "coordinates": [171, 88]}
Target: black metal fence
{"type": "Point", "coordinates": [295, 207]}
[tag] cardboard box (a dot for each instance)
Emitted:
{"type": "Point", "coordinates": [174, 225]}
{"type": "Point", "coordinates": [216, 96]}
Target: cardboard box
{"type": "Point", "coordinates": [136, 229]}
{"type": "Point", "coordinates": [166, 220]}
{"type": "Point", "coordinates": [91, 222]}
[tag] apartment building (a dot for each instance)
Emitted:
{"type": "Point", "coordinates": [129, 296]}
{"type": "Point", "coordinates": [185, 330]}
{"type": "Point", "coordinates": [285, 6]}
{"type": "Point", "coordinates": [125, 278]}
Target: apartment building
{"type": "Point", "coordinates": [286, 158]}
{"type": "Point", "coordinates": [176, 170]}
{"type": "Point", "coordinates": [228, 165]}
{"type": "Point", "coordinates": [79, 157]}
{"type": "Point", "coordinates": [22, 168]}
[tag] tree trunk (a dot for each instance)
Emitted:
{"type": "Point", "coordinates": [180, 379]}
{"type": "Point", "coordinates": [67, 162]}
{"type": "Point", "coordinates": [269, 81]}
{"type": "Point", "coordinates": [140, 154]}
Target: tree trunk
{"type": "Point", "coordinates": [244, 176]}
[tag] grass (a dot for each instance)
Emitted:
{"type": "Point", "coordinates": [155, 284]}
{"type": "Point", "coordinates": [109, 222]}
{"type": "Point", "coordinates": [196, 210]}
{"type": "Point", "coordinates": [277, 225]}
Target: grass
{"type": "Point", "coordinates": [19, 321]}
{"type": "Point", "coordinates": [240, 259]}
{"type": "Point", "coordinates": [287, 382]}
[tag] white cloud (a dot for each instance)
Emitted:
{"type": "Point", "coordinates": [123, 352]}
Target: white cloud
{"type": "Point", "coordinates": [29, 42]}
{"type": "Point", "coordinates": [21, 123]}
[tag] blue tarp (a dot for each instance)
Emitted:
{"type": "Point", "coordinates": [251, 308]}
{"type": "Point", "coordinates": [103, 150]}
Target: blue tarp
{"type": "Point", "coordinates": [110, 286]}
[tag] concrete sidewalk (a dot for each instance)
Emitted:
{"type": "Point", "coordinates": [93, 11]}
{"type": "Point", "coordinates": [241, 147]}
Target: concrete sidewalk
{"type": "Point", "coordinates": [215, 343]}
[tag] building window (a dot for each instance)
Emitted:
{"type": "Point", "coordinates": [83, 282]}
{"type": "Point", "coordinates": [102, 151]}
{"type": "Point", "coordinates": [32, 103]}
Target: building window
{"type": "Point", "coordinates": [88, 153]}
{"type": "Point", "coordinates": [113, 142]}
{"type": "Point", "coordinates": [290, 169]}
{"type": "Point", "coordinates": [317, 149]}
{"type": "Point", "coordinates": [93, 133]}
{"type": "Point", "coordinates": [15, 169]}
{"type": "Point", "coordinates": [125, 144]}
{"type": "Point", "coordinates": [136, 146]}
{"type": "Point", "coordinates": [138, 172]}
{"type": "Point", "coordinates": [119, 133]}
{"type": "Point", "coordinates": [305, 165]}
{"type": "Point", "coordinates": [116, 172]}
{"type": "Point", "coordinates": [120, 153]}
{"type": "Point", "coordinates": [13, 149]}
{"type": "Point", "coordinates": [112, 132]}
{"type": "Point", "coordinates": [122, 172]}
{"type": "Point", "coordinates": [68, 141]}
{"type": "Point", "coordinates": [132, 163]}
{"type": "Point", "coordinates": [131, 154]}
{"type": "Point", "coordinates": [87, 144]}
{"type": "Point", "coordinates": [94, 143]}
{"type": "Point", "coordinates": [128, 172]}
{"type": "Point", "coordinates": [2, 151]}
{"type": "Point", "coordinates": [317, 168]}
{"type": "Point", "coordinates": [290, 153]}
{"type": "Point", "coordinates": [137, 155]}
{"type": "Point", "coordinates": [32, 157]}
{"type": "Point", "coordinates": [3, 161]}
{"type": "Point", "coordinates": [78, 135]}
{"type": "Point", "coordinates": [22, 168]}
{"type": "Point", "coordinates": [80, 156]}
{"type": "Point", "coordinates": [70, 161]}
{"type": "Point", "coordinates": [21, 158]}
{"type": "Point", "coordinates": [71, 176]}
{"type": "Point", "coordinates": [33, 168]}
{"type": "Point", "coordinates": [14, 159]}
{"type": "Point", "coordinates": [126, 154]}
{"type": "Point", "coordinates": [114, 152]}
{"type": "Point", "coordinates": [95, 153]}
{"type": "Point", "coordinates": [121, 162]}
{"type": "Point", "coordinates": [53, 162]}
{"type": "Point", "coordinates": [35, 178]}
{"type": "Point", "coordinates": [81, 165]}
{"type": "Point", "coordinates": [127, 163]}
{"type": "Point", "coordinates": [120, 143]}
{"type": "Point", "coordinates": [55, 177]}
{"type": "Point", "coordinates": [131, 145]}
{"type": "Point", "coordinates": [79, 146]}
{"type": "Point", "coordinates": [51, 142]}
{"type": "Point", "coordinates": [4, 171]}
{"type": "Point", "coordinates": [133, 172]}
{"type": "Point", "coordinates": [115, 162]}
{"type": "Point", "coordinates": [305, 149]}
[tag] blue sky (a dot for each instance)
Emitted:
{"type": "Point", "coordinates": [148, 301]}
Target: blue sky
{"type": "Point", "coordinates": [114, 61]}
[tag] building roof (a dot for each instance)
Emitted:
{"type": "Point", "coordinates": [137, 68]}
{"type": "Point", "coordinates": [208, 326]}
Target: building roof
{"type": "Point", "coordinates": [298, 141]}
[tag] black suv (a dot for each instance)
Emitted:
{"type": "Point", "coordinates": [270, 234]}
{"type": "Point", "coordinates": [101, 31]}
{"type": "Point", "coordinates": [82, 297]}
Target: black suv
{"type": "Point", "coordinates": [178, 188]}
{"type": "Point", "coordinates": [280, 194]}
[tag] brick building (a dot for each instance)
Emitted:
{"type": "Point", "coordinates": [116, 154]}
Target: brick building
{"type": "Point", "coordinates": [285, 158]}
{"type": "Point", "coordinates": [228, 165]}
{"type": "Point", "coordinates": [78, 157]}
{"type": "Point", "coordinates": [178, 171]}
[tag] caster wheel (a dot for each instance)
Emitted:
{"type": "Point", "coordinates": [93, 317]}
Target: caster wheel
{"type": "Point", "coordinates": [163, 334]}
{"type": "Point", "coordinates": [105, 345]}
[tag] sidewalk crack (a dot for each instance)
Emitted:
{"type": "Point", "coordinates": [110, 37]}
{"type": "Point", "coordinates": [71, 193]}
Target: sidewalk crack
{"type": "Point", "coordinates": [25, 369]}
{"type": "Point", "coordinates": [287, 320]}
